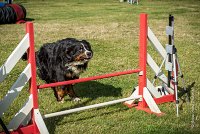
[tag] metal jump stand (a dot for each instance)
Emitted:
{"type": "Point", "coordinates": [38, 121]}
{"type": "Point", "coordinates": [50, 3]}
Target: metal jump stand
{"type": "Point", "coordinates": [172, 63]}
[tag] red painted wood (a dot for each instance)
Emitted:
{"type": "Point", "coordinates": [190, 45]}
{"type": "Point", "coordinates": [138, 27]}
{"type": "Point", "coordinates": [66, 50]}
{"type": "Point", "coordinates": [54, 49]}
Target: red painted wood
{"type": "Point", "coordinates": [143, 55]}
{"type": "Point", "coordinates": [89, 78]}
{"type": "Point", "coordinates": [33, 85]}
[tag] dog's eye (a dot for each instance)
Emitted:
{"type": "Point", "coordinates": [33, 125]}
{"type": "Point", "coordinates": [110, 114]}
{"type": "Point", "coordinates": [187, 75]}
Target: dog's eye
{"type": "Point", "coordinates": [81, 49]}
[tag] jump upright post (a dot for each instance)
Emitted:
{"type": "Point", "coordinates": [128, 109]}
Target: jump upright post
{"type": "Point", "coordinates": [143, 56]}
{"type": "Point", "coordinates": [29, 119]}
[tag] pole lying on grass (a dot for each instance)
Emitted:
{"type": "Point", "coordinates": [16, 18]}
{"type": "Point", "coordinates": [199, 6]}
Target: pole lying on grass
{"type": "Point", "coordinates": [89, 107]}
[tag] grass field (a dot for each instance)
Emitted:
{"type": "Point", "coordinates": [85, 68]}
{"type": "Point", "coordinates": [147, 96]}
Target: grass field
{"type": "Point", "coordinates": [112, 29]}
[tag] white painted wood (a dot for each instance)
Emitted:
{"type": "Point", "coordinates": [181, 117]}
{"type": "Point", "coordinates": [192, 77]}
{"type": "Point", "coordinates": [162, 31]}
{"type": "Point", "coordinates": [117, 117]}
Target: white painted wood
{"type": "Point", "coordinates": [21, 115]}
{"type": "Point", "coordinates": [40, 122]}
{"type": "Point", "coordinates": [135, 94]}
{"type": "Point", "coordinates": [154, 92]}
{"type": "Point", "coordinates": [150, 101]}
{"type": "Point", "coordinates": [15, 89]}
{"type": "Point", "coordinates": [88, 107]}
{"type": "Point", "coordinates": [26, 120]}
{"type": "Point", "coordinates": [14, 57]}
{"type": "Point", "coordinates": [156, 68]}
{"type": "Point", "coordinates": [156, 44]}
{"type": "Point", "coordinates": [150, 87]}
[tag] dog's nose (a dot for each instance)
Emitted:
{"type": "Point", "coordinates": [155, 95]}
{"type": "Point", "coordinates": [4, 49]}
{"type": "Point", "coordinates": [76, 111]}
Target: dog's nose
{"type": "Point", "coordinates": [89, 54]}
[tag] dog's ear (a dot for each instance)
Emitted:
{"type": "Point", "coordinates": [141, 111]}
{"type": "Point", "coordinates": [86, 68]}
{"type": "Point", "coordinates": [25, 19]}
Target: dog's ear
{"type": "Point", "coordinates": [87, 44]}
{"type": "Point", "coordinates": [68, 53]}
{"type": "Point", "coordinates": [65, 54]}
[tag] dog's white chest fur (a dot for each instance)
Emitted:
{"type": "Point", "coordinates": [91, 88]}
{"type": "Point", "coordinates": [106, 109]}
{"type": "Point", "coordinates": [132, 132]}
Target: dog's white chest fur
{"type": "Point", "coordinates": [73, 67]}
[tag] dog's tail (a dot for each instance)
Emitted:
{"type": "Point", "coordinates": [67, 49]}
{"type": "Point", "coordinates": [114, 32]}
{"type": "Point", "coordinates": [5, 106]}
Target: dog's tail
{"type": "Point", "coordinates": [25, 57]}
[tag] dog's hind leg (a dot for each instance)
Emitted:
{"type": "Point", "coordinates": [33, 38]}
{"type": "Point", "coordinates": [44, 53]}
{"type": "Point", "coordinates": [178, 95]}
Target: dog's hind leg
{"type": "Point", "coordinates": [71, 93]}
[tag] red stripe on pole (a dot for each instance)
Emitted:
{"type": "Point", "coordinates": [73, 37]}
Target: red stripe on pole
{"type": "Point", "coordinates": [88, 79]}
{"type": "Point", "coordinates": [33, 90]}
{"type": "Point", "coordinates": [33, 85]}
{"type": "Point", "coordinates": [143, 54]}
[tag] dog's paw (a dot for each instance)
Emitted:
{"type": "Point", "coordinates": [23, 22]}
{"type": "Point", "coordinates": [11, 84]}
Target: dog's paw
{"type": "Point", "coordinates": [76, 99]}
{"type": "Point", "coordinates": [61, 101]}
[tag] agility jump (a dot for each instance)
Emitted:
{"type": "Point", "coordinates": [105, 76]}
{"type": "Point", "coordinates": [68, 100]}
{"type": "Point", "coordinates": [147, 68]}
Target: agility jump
{"type": "Point", "coordinates": [29, 117]}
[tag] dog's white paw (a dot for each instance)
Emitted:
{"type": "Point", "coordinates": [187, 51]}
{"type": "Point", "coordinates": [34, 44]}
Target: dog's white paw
{"type": "Point", "coordinates": [62, 100]}
{"type": "Point", "coordinates": [76, 99]}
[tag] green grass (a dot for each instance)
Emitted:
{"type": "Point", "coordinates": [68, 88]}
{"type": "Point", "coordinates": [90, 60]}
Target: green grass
{"type": "Point", "coordinates": [112, 29]}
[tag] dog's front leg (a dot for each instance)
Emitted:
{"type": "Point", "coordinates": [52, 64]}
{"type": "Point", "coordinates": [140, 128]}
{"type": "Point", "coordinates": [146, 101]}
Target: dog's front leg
{"type": "Point", "coordinates": [59, 93]}
{"type": "Point", "coordinates": [71, 93]}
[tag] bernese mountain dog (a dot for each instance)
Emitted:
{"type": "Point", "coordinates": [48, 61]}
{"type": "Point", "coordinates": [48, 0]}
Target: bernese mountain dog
{"type": "Point", "coordinates": [61, 61]}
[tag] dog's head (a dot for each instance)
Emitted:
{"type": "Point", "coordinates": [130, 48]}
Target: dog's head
{"type": "Point", "coordinates": [82, 51]}
{"type": "Point", "coordinates": [76, 52]}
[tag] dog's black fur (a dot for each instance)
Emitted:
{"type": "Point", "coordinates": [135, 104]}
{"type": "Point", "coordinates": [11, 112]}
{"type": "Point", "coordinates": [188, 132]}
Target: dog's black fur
{"type": "Point", "coordinates": [63, 60]}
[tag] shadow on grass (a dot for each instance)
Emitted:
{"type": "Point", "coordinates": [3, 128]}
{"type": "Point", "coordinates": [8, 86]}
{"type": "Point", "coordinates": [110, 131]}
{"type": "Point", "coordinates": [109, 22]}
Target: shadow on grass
{"type": "Point", "coordinates": [91, 90]}
{"type": "Point", "coordinates": [94, 89]}
{"type": "Point", "coordinates": [29, 19]}
{"type": "Point", "coordinates": [185, 95]}
{"type": "Point", "coordinates": [186, 92]}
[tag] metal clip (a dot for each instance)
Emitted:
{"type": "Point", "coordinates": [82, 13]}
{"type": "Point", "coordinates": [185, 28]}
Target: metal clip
{"type": "Point", "coordinates": [169, 49]}
{"type": "Point", "coordinates": [169, 30]}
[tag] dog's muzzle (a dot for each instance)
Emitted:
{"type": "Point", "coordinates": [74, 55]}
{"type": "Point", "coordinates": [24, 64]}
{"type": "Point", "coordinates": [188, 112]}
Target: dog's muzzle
{"type": "Point", "coordinates": [88, 54]}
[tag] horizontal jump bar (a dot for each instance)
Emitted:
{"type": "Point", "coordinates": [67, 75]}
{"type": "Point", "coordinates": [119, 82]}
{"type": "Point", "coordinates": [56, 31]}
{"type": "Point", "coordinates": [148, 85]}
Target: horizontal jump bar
{"type": "Point", "coordinates": [88, 79]}
{"type": "Point", "coordinates": [89, 107]}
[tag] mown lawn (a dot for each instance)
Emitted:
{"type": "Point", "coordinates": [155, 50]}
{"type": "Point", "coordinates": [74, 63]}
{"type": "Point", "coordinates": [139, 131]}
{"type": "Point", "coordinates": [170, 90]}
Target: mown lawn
{"type": "Point", "coordinates": [112, 29]}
